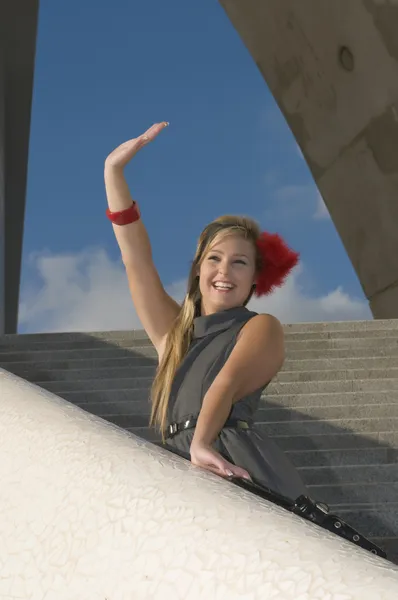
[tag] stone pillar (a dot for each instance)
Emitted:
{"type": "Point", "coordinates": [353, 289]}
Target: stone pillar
{"type": "Point", "coordinates": [332, 67]}
{"type": "Point", "coordinates": [2, 190]}
{"type": "Point", "coordinates": [18, 24]}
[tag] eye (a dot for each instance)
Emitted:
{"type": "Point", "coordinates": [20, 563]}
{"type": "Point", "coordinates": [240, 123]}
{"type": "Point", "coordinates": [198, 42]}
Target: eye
{"type": "Point", "coordinates": [242, 262]}
{"type": "Point", "coordinates": [214, 257]}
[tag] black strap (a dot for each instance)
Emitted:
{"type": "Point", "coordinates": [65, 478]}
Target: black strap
{"type": "Point", "coordinates": [316, 512]}
{"type": "Point", "coordinates": [303, 506]}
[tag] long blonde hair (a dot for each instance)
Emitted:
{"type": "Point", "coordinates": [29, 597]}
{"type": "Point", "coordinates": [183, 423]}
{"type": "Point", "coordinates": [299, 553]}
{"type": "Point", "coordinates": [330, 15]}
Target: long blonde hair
{"type": "Point", "coordinates": [180, 335]}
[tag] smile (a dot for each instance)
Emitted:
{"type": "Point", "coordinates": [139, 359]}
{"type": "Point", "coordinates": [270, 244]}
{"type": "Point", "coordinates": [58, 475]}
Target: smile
{"type": "Point", "coordinates": [222, 286]}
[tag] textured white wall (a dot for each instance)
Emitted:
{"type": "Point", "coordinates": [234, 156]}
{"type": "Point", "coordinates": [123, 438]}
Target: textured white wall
{"type": "Point", "coordinates": [89, 512]}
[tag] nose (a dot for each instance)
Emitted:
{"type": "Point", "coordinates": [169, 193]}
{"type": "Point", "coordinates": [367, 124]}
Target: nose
{"type": "Point", "coordinates": [223, 267]}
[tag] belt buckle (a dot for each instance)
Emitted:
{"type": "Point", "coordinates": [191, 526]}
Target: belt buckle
{"type": "Point", "coordinates": [173, 428]}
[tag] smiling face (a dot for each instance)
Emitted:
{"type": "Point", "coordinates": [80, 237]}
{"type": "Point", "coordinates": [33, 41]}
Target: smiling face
{"type": "Point", "coordinates": [226, 273]}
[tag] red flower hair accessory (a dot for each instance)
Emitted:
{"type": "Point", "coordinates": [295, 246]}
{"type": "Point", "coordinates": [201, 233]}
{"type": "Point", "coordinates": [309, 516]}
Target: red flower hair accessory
{"type": "Point", "coordinates": [277, 262]}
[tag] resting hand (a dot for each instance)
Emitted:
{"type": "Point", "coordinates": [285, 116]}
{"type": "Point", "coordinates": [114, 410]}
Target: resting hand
{"type": "Point", "coordinates": [206, 457]}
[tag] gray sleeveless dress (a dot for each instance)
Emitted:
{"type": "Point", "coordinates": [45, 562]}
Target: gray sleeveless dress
{"type": "Point", "coordinates": [214, 337]}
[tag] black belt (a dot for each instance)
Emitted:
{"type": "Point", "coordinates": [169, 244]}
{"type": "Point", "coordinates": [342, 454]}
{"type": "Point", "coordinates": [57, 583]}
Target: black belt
{"type": "Point", "coordinates": [190, 423]}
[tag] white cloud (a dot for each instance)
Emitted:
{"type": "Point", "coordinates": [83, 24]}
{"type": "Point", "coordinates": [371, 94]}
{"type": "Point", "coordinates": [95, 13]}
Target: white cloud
{"type": "Point", "coordinates": [296, 201]}
{"type": "Point", "coordinates": [321, 211]}
{"type": "Point", "coordinates": [88, 291]}
{"type": "Point", "coordinates": [299, 151]}
{"type": "Point", "coordinates": [292, 304]}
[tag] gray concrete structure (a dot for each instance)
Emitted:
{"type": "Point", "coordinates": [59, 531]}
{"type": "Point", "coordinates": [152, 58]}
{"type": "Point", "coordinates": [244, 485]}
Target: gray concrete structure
{"type": "Point", "coordinates": [332, 67]}
{"type": "Point", "coordinates": [18, 25]}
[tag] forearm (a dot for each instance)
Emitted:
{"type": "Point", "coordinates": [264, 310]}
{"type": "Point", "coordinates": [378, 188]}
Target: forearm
{"type": "Point", "coordinates": [216, 408]}
{"type": "Point", "coordinates": [117, 190]}
{"type": "Point", "coordinates": [133, 238]}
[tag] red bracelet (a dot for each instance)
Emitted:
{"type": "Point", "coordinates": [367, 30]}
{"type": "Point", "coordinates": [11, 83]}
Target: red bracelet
{"type": "Point", "coordinates": [124, 217]}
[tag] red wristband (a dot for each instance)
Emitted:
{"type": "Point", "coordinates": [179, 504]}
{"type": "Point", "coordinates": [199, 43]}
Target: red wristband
{"type": "Point", "coordinates": [124, 217]}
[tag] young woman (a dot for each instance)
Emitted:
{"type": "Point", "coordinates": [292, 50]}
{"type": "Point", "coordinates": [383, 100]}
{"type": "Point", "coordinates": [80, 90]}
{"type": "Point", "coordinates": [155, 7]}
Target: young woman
{"type": "Point", "coordinates": [215, 356]}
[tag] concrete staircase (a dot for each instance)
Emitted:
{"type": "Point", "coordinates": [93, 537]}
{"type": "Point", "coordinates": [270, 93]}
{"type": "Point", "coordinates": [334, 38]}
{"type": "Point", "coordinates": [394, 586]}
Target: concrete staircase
{"type": "Point", "coordinates": [333, 408]}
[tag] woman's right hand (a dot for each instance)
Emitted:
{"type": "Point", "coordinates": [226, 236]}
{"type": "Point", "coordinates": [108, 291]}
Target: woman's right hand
{"type": "Point", "coordinates": [119, 158]}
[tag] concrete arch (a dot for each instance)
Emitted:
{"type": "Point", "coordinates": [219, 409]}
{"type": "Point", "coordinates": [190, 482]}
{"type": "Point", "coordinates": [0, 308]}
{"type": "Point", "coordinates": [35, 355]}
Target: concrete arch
{"type": "Point", "coordinates": [332, 67]}
{"type": "Point", "coordinates": [90, 511]}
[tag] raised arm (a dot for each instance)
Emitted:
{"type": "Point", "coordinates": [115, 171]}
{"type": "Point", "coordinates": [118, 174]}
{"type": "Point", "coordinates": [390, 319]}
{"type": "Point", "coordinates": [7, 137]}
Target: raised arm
{"type": "Point", "coordinates": [155, 308]}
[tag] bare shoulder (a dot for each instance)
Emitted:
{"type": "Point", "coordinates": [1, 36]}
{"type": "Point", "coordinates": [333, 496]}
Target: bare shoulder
{"type": "Point", "coordinates": [256, 358]}
{"type": "Point", "coordinates": [262, 327]}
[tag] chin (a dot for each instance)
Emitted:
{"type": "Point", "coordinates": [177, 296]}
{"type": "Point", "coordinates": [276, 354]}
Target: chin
{"type": "Point", "coordinates": [225, 303]}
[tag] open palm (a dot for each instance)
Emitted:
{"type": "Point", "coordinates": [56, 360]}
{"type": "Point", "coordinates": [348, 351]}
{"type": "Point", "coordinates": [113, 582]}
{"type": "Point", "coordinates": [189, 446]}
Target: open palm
{"type": "Point", "coordinates": [119, 157]}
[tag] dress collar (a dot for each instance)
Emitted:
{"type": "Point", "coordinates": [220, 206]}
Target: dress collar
{"type": "Point", "coordinates": [220, 321]}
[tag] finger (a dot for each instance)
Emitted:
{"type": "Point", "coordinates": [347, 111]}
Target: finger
{"type": "Point", "coordinates": [235, 471]}
{"type": "Point", "coordinates": [227, 469]}
{"type": "Point", "coordinates": [153, 131]}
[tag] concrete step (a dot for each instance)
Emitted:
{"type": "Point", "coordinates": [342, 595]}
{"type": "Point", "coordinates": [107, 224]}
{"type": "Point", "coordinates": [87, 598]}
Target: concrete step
{"type": "Point", "coordinates": [34, 373]}
{"type": "Point", "coordinates": [327, 399]}
{"type": "Point", "coordinates": [277, 388]}
{"type": "Point", "coordinates": [331, 441]}
{"type": "Point", "coordinates": [379, 455]}
{"type": "Point", "coordinates": [341, 353]}
{"type": "Point", "coordinates": [294, 401]}
{"type": "Point", "coordinates": [317, 327]}
{"type": "Point", "coordinates": [313, 442]}
{"type": "Point", "coordinates": [54, 364]}
{"type": "Point", "coordinates": [340, 385]}
{"type": "Point", "coordinates": [374, 338]}
{"type": "Point", "coordinates": [78, 353]}
{"type": "Point", "coordinates": [265, 414]}
{"type": "Point", "coordinates": [337, 363]}
{"type": "Point", "coordinates": [340, 334]}
{"type": "Point", "coordinates": [51, 361]}
{"type": "Point", "coordinates": [291, 428]}
{"type": "Point", "coordinates": [353, 493]}
{"type": "Point", "coordinates": [339, 374]}
{"type": "Point", "coordinates": [95, 385]}
{"type": "Point", "coordinates": [368, 411]}
{"type": "Point", "coordinates": [77, 337]}
{"type": "Point", "coordinates": [369, 325]}
{"type": "Point", "coordinates": [341, 343]}
{"type": "Point", "coordinates": [362, 426]}
{"type": "Point", "coordinates": [362, 474]}
{"type": "Point", "coordinates": [108, 351]}
{"type": "Point", "coordinates": [85, 341]}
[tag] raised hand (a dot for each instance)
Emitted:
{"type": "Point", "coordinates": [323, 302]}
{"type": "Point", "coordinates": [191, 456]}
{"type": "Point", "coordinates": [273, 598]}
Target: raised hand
{"type": "Point", "coordinates": [207, 458]}
{"type": "Point", "coordinates": [119, 157]}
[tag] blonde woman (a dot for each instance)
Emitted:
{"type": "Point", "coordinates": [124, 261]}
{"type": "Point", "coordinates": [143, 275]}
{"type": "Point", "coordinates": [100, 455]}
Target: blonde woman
{"type": "Point", "coordinates": [215, 356]}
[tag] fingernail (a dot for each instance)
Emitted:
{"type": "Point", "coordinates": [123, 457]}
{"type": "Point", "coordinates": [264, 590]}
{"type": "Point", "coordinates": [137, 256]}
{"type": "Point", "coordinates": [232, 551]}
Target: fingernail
{"type": "Point", "coordinates": [166, 123]}
{"type": "Point", "coordinates": [229, 473]}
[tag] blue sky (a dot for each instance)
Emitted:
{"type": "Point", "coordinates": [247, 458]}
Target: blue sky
{"type": "Point", "coordinates": [105, 74]}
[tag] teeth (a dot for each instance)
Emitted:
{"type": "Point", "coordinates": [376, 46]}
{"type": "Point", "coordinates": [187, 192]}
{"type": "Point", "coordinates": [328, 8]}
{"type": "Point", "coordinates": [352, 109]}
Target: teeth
{"type": "Point", "coordinates": [223, 286]}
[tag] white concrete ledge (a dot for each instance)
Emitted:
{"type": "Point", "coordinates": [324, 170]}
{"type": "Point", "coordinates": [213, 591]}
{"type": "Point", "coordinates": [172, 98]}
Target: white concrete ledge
{"type": "Point", "coordinates": [89, 512]}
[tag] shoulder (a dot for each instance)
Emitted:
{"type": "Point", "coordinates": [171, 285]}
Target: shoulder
{"type": "Point", "coordinates": [257, 356]}
{"type": "Point", "coordinates": [262, 326]}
